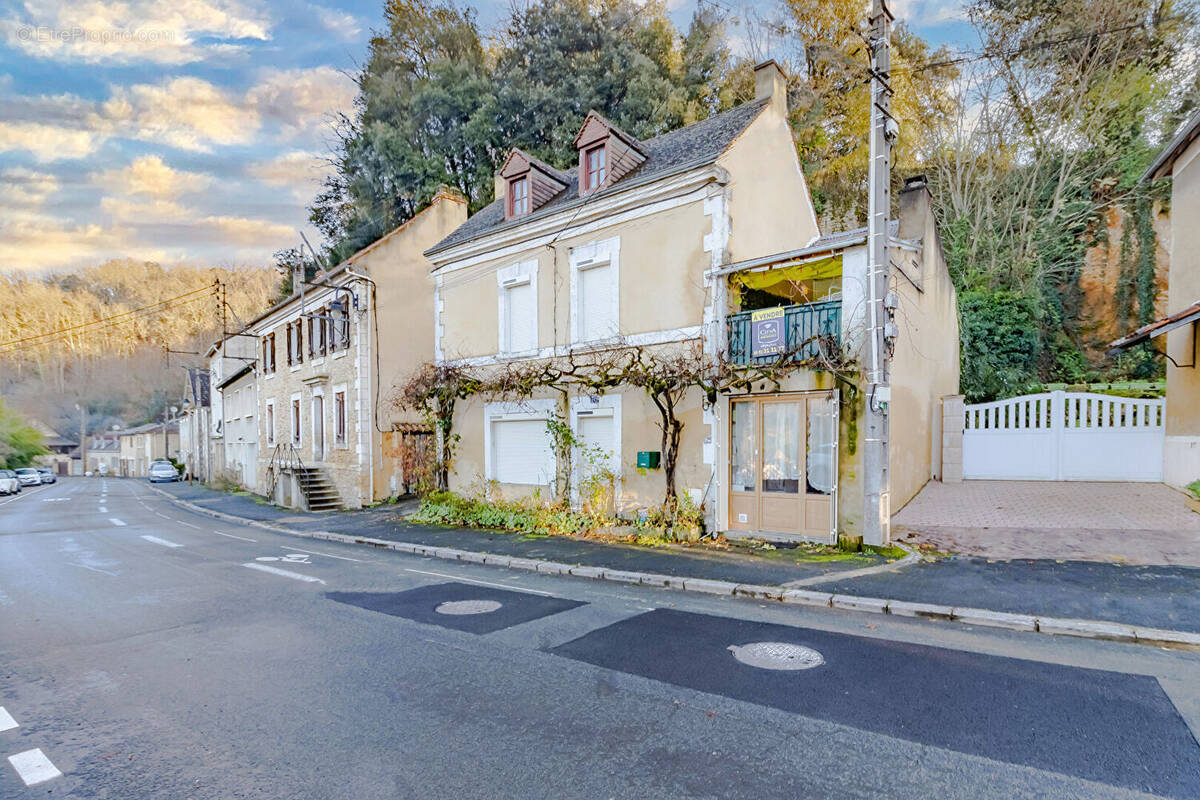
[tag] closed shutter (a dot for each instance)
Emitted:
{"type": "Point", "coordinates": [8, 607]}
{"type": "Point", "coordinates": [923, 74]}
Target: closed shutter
{"type": "Point", "coordinates": [522, 452]}
{"type": "Point", "coordinates": [522, 318]}
{"type": "Point", "coordinates": [596, 303]}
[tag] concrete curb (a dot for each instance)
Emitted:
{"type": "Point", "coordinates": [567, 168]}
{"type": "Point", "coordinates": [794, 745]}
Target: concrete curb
{"type": "Point", "coordinates": [1086, 629]}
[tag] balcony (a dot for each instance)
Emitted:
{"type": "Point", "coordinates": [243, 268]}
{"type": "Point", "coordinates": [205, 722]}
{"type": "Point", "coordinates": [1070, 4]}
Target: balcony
{"type": "Point", "coordinates": [805, 326]}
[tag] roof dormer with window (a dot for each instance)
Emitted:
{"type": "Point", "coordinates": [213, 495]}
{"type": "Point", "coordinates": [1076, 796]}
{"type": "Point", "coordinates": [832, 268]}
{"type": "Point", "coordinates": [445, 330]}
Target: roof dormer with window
{"type": "Point", "coordinates": [606, 153]}
{"type": "Point", "coordinates": [528, 183]}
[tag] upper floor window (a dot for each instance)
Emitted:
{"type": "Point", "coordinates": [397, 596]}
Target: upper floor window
{"type": "Point", "coordinates": [518, 194]}
{"type": "Point", "coordinates": [518, 307]}
{"type": "Point", "coordinates": [596, 162]}
{"type": "Point", "coordinates": [595, 291]}
{"type": "Point", "coordinates": [268, 356]}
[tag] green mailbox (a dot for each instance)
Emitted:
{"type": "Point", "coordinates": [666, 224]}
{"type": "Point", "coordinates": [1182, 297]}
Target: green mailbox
{"type": "Point", "coordinates": [648, 459]}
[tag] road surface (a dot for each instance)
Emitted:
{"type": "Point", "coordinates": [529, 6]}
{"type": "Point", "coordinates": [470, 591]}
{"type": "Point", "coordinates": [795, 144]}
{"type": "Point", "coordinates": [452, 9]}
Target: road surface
{"type": "Point", "coordinates": [148, 652]}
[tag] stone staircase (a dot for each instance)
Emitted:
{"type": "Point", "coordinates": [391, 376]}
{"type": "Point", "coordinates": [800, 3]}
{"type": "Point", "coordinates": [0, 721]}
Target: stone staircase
{"type": "Point", "coordinates": [318, 490]}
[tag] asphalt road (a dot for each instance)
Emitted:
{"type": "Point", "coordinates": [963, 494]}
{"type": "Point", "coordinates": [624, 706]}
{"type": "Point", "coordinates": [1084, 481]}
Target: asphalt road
{"type": "Point", "coordinates": [147, 652]}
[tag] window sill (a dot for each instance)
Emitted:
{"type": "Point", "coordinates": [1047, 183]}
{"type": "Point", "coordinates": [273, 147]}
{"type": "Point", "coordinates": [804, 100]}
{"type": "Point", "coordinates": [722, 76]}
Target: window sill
{"type": "Point", "coordinates": [595, 344]}
{"type": "Point", "coordinates": [339, 354]}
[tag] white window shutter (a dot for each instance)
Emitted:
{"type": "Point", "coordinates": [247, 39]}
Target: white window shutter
{"type": "Point", "coordinates": [522, 318]}
{"type": "Point", "coordinates": [596, 302]}
{"type": "Point", "coordinates": [522, 452]}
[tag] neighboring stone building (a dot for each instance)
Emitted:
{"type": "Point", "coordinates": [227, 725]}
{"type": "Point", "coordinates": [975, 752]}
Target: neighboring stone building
{"type": "Point", "coordinates": [327, 361]}
{"type": "Point", "coordinates": [1181, 447]}
{"type": "Point", "coordinates": [194, 450]}
{"type": "Point", "coordinates": [141, 446]}
{"type": "Point", "coordinates": [103, 456]}
{"type": "Point", "coordinates": [59, 456]}
{"type": "Point", "coordinates": [704, 236]}
{"type": "Point", "coordinates": [234, 429]}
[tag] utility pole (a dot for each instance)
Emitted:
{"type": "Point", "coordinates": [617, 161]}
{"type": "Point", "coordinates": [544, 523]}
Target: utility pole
{"type": "Point", "coordinates": [876, 481]}
{"type": "Point", "coordinates": [82, 406]}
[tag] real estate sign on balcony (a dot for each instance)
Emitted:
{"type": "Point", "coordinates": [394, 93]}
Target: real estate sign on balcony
{"type": "Point", "coordinates": [767, 334]}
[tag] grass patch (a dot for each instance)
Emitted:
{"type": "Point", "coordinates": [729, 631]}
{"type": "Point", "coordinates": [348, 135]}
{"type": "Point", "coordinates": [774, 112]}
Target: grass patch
{"type": "Point", "coordinates": [1194, 488]}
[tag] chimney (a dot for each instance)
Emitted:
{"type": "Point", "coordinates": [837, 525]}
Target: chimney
{"type": "Point", "coordinates": [915, 208]}
{"type": "Point", "coordinates": [297, 278]}
{"type": "Point", "coordinates": [501, 185]}
{"type": "Point", "coordinates": [770, 83]}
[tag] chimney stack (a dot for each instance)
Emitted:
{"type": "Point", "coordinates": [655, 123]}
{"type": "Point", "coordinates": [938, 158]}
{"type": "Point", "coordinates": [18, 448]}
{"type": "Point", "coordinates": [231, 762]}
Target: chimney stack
{"type": "Point", "coordinates": [297, 278]}
{"type": "Point", "coordinates": [771, 84]}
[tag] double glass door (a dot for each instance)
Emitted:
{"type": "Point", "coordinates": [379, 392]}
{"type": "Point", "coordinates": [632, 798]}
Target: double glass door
{"type": "Point", "coordinates": [783, 464]}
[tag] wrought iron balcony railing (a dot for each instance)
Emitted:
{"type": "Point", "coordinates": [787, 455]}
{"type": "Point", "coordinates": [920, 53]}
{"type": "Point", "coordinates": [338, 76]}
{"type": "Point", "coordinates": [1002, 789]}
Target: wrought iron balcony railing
{"type": "Point", "coordinates": [807, 328]}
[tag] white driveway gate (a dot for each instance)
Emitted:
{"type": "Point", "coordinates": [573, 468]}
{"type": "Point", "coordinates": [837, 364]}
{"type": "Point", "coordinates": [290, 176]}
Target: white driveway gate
{"type": "Point", "coordinates": [1064, 436]}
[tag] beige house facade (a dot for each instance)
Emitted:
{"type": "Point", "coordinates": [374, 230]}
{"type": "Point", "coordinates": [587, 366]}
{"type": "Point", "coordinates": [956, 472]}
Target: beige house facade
{"type": "Point", "coordinates": [323, 359]}
{"type": "Point", "coordinates": [1180, 161]}
{"type": "Point", "coordinates": [142, 446]}
{"type": "Point", "coordinates": [704, 237]}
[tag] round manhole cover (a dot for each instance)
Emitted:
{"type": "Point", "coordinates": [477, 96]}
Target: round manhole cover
{"type": "Point", "coordinates": [460, 607]}
{"type": "Point", "coordinates": [777, 655]}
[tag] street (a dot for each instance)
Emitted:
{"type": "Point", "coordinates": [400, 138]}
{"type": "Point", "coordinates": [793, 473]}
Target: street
{"type": "Point", "coordinates": [150, 652]}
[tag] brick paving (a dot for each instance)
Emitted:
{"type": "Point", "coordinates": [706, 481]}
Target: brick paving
{"type": "Point", "coordinates": [1135, 523]}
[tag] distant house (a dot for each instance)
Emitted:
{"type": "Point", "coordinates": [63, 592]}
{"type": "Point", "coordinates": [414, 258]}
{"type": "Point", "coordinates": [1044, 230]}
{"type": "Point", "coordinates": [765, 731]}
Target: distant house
{"type": "Point", "coordinates": [103, 456]}
{"type": "Point", "coordinates": [1180, 160]}
{"type": "Point", "coordinates": [139, 447]}
{"type": "Point", "coordinates": [194, 451]}
{"type": "Point", "coordinates": [59, 457]}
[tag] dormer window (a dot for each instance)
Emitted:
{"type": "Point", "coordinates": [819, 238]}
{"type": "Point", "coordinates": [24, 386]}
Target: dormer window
{"type": "Point", "coordinates": [606, 154]}
{"type": "Point", "coordinates": [518, 194]}
{"type": "Point", "coordinates": [596, 166]}
{"type": "Point", "coordinates": [527, 184]}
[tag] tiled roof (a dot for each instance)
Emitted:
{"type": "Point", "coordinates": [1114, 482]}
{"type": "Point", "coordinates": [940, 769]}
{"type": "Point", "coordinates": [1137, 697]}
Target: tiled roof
{"type": "Point", "coordinates": [685, 148]}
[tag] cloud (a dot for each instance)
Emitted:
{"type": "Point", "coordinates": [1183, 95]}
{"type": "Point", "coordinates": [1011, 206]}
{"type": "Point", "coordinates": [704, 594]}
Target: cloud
{"type": "Point", "coordinates": [188, 113]}
{"type": "Point", "coordinates": [929, 12]}
{"type": "Point", "coordinates": [300, 101]}
{"type": "Point", "coordinates": [23, 188]}
{"type": "Point", "coordinates": [345, 27]}
{"type": "Point", "coordinates": [259, 233]}
{"type": "Point", "coordinates": [143, 211]}
{"type": "Point", "coordinates": [130, 31]}
{"type": "Point", "coordinates": [33, 242]}
{"type": "Point", "coordinates": [150, 175]}
{"type": "Point", "coordinates": [298, 171]}
{"type": "Point", "coordinates": [47, 142]}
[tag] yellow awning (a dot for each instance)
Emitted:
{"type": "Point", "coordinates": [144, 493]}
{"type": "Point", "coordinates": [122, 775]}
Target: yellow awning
{"type": "Point", "coordinates": [790, 274]}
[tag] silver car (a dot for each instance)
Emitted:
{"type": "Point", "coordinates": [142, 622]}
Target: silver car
{"type": "Point", "coordinates": [9, 484]}
{"type": "Point", "coordinates": [48, 475]}
{"type": "Point", "coordinates": [29, 476]}
{"type": "Point", "coordinates": [163, 471]}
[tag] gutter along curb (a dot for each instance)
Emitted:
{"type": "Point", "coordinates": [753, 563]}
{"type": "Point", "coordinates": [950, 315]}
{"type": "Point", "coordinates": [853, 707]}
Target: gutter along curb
{"type": "Point", "coordinates": [1086, 629]}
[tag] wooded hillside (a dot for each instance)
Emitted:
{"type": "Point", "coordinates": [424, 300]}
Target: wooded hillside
{"type": "Point", "coordinates": [97, 336]}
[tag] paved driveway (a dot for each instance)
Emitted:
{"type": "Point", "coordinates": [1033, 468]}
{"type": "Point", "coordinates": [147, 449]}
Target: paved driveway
{"type": "Point", "coordinates": [1136, 523]}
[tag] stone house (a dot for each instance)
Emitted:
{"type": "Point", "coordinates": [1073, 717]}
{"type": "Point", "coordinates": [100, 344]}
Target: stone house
{"type": "Point", "coordinates": [326, 360]}
{"type": "Point", "coordinates": [143, 445]}
{"type": "Point", "coordinates": [701, 237]}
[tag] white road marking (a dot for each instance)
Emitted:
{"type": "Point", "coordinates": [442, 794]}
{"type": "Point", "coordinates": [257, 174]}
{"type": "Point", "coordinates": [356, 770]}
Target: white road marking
{"type": "Point", "coordinates": [283, 573]}
{"type": "Point", "coordinates": [25, 493]}
{"type": "Point", "coordinates": [7, 723]}
{"type": "Point", "coordinates": [484, 583]}
{"type": "Point", "coordinates": [93, 569]}
{"type": "Point", "coordinates": [231, 536]}
{"type": "Point", "coordinates": [103, 509]}
{"type": "Point", "coordinates": [34, 767]}
{"type": "Point", "coordinates": [190, 525]}
{"type": "Point", "coordinates": [315, 553]}
{"type": "Point", "coordinates": [163, 542]}
{"type": "Point", "coordinates": [116, 521]}
{"type": "Point", "coordinates": [164, 516]}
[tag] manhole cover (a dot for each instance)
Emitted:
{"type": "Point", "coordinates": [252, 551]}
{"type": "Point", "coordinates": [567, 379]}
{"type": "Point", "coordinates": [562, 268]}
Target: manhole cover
{"type": "Point", "coordinates": [777, 655]}
{"type": "Point", "coordinates": [461, 607]}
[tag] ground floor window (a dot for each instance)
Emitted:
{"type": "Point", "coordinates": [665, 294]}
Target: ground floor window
{"type": "Point", "coordinates": [518, 445]}
{"type": "Point", "coordinates": [270, 423]}
{"type": "Point", "coordinates": [339, 416]}
{"type": "Point", "coordinates": [296, 420]}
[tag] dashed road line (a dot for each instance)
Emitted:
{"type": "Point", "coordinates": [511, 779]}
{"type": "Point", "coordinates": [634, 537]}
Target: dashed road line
{"type": "Point", "coordinates": [34, 767]}
{"type": "Point", "coordinates": [284, 573]}
{"type": "Point", "coordinates": [163, 542]}
{"type": "Point", "coordinates": [484, 583]}
{"type": "Point", "coordinates": [315, 553]}
{"type": "Point", "coordinates": [93, 569]}
{"type": "Point", "coordinates": [116, 521]}
{"type": "Point", "coordinates": [7, 723]}
{"type": "Point", "coordinates": [164, 516]}
{"type": "Point", "coordinates": [26, 493]}
{"type": "Point", "coordinates": [190, 525]}
{"type": "Point", "coordinates": [231, 536]}
{"type": "Point", "coordinates": [103, 509]}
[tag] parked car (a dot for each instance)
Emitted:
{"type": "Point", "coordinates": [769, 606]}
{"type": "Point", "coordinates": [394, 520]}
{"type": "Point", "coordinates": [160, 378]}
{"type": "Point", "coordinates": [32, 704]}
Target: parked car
{"type": "Point", "coordinates": [48, 475]}
{"type": "Point", "coordinates": [163, 471]}
{"type": "Point", "coordinates": [9, 484]}
{"type": "Point", "coordinates": [28, 476]}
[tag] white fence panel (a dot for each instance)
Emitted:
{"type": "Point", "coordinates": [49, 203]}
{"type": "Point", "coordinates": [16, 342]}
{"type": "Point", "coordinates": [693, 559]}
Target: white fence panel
{"type": "Point", "coordinates": [1072, 436]}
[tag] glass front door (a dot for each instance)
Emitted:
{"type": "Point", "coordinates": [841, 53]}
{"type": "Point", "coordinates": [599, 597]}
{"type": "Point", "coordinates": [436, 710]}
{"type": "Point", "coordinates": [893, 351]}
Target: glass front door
{"type": "Point", "coordinates": [783, 464]}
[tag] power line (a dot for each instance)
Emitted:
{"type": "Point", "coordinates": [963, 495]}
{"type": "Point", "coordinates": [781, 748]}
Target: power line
{"type": "Point", "coordinates": [105, 322]}
{"type": "Point", "coordinates": [67, 335]}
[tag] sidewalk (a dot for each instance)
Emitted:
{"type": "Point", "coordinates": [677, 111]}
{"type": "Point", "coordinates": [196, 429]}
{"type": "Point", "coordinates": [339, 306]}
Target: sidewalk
{"type": "Point", "coordinates": [387, 522]}
{"type": "Point", "coordinates": [1159, 597]}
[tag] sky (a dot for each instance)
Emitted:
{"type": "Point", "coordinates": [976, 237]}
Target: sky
{"type": "Point", "coordinates": [197, 130]}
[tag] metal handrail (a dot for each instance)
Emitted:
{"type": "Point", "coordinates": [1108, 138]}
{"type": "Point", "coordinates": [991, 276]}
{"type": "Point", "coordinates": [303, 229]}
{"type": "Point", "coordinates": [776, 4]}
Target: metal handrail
{"type": "Point", "coordinates": [283, 457]}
